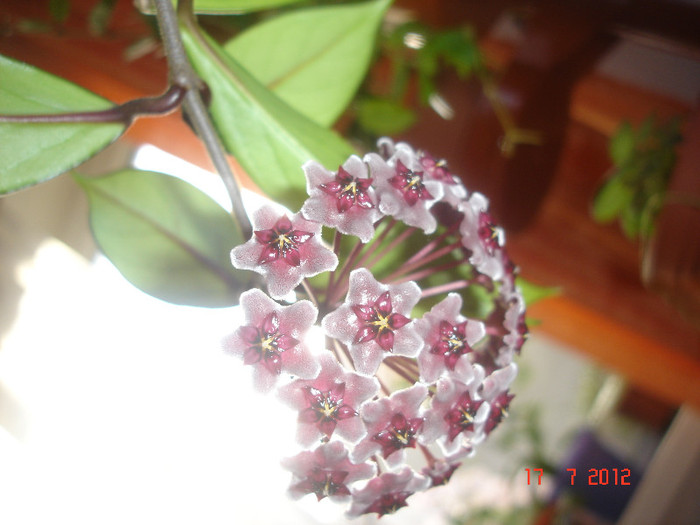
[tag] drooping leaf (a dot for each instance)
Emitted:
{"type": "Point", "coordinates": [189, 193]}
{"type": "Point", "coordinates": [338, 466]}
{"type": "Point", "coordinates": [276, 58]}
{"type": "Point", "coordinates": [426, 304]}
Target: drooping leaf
{"type": "Point", "coordinates": [166, 237]}
{"type": "Point", "coordinates": [33, 153]}
{"type": "Point", "coordinates": [314, 59]}
{"type": "Point", "coordinates": [269, 138]}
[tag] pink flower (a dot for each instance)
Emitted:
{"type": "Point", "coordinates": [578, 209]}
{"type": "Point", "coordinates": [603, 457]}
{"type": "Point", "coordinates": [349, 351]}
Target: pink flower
{"type": "Point", "coordinates": [393, 424]}
{"type": "Point", "coordinates": [483, 238]}
{"type": "Point", "coordinates": [271, 340]}
{"type": "Point", "coordinates": [498, 412]}
{"type": "Point", "coordinates": [447, 337]}
{"type": "Point", "coordinates": [344, 200]}
{"type": "Point", "coordinates": [387, 493]}
{"type": "Point", "coordinates": [440, 472]}
{"type": "Point", "coordinates": [453, 191]}
{"type": "Point", "coordinates": [433, 170]}
{"type": "Point", "coordinates": [325, 472]}
{"type": "Point", "coordinates": [374, 321]}
{"type": "Point", "coordinates": [329, 404]}
{"type": "Point", "coordinates": [283, 250]}
{"type": "Point", "coordinates": [515, 325]}
{"type": "Point", "coordinates": [402, 190]}
{"type": "Point", "coordinates": [457, 409]}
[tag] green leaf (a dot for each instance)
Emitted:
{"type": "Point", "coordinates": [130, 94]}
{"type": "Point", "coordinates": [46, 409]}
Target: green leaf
{"type": "Point", "coordinates": [314, 59]}
{"type": "Point", "coordinates": [534, 292]}
{"type": "Point", "coordinates": [630, 220]}
{"type": "Point", "coordinates": [269, 138]}
{"type": "Point", "coordinates": [621, 147]}
{"type": "Point", "coordinates": [223, 7]}
{"type": "Point", "coordinates": [384, 117]}
{"type": "Point", "coordinates": [59, 9]}
{"type": "Point", "coordinates": [100, 16]}
{"type": "Point", "coordinates": [611, 199]}
{"type": "Point", "coordinates": [166, 237]}
{"type": "Point", "coordinates": [33, 153]}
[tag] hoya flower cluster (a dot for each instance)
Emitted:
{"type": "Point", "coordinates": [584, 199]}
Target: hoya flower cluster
{"type": "Point", "coordinates": [416, 298]}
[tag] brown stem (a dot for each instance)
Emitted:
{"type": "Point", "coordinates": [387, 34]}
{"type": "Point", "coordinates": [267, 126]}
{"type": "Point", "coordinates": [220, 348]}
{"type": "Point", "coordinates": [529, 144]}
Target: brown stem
{"type": "Point", "coordinates": [123, 113]}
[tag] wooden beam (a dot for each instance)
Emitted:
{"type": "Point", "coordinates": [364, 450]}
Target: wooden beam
{"type": "Point", "coordinates": [647, 363]}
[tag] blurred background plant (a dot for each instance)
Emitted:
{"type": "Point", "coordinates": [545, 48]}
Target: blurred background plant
{"type": "Point", "coordinates": [643, 161]}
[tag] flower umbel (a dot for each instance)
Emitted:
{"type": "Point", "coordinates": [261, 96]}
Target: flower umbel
{"type": "Point", "coordinates": [389, 372]}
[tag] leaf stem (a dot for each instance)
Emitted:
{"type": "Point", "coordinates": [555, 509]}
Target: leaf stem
{"type": "Point", "coordinates": [182, 73]}
{"type": "Point", "coordinates": [123, 113]}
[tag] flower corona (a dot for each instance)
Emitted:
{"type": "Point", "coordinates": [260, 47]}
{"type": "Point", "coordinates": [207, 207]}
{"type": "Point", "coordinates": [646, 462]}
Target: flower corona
{"type": "Point", "coordinates": [407, 276]}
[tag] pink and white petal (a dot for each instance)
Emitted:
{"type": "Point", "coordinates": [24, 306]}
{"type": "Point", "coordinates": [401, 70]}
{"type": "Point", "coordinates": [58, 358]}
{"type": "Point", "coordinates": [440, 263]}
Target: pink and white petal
{"type": "Point", "coordinates": [367, 357]}
{"type": "Point", "coordinates": [407, 342]}
{"type": "Point", "coordinates": [498, 381]}
{"type": "Point", "coordinates": [351, 429]}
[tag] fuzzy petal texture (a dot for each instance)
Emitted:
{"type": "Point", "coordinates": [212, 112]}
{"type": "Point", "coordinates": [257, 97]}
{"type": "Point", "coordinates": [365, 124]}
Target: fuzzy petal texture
{"type": "Point", "coordinates": [482, 237]}
{"type": "Point", "coordinates": [315, 424]}
{"type": "Point", "coordinates": [457, 414]}
{"type": "Point", "coordinates": [325, 472]}
{"type": "Point", "coordinates": [283, 250]}
{"type": "Point", "coordinates": [448, 339]}
{"type": "Point", "coordinates": [382, 421]}
{"type": "Point", "coordinates": [281, 341]}
{"type": "Point", "coordinates": [411, 207]}
{"type": "Point", "coordinates": [343, 200]}
{"type": "Point", "coordinates": [387, 493]}
{"type": "Point", "coordinates": [369, 343]}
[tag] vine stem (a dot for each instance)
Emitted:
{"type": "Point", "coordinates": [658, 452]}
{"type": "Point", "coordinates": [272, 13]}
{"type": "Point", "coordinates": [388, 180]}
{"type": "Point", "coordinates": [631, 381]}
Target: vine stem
{"type": "Point", "coordinates": [123, 113]}
{"type": "Point", "coordinates": [182, 74]}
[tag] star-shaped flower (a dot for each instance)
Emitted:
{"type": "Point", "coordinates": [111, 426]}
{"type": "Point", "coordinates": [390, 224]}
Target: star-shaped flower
{"type": "Point", "coordinates": [498, 412]}
{"type": "Point", "coordinates": [387, 493]}
{"type": "Point", "coordinates": [329, 404]}
{"type": "Point", "coordinates": [403, 192]}
{"type": "Point", "coordinates": [447, 338]}
{"type": "Point", "coordinates": [284, 250]}
{"type": "Point", "coordinates": [457, 410]}
{"type": "Point", "coordinates": [373, 322]}
{"type": "Point", "coordinates": [393, 424]}
{"type": "Point", "coordinates": [271, 340]}
{"type": "Point", "coordinates": [453, 190]}
{"type": "Point", "coordinates": [325, 472]}
{"type": "Point", "coordinates": [344, 200]}
{"type": "Point", "coordinates": [482, 237]}
{"type": "Point", "coordinates": [440, 472]}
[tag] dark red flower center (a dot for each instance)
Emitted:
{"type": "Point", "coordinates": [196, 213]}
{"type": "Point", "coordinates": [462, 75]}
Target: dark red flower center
{"type": "Point", "coordinates": [410, 183]}
{"type": "Point", "coordinates": [325, 409]}
{"type": "Point", "coordinates": [323, 482]}
{"type": "Point", "coordinates": [461, 416]}
{"type": "Point", "coordinates": [349, 191]}
{"type": "Point", "coordinates": [399, 433]}
{"type": "Point", "coordinates": [442, 478]}
{"type": "Point", "coordinates": [388, 503]}
{"type": "Point", "coordinates": [379, 322]}
{"type": "Point", "coordinates": [266, 343]}
{"type": "Point", "coordinates": [452, 343]}
{"type": "Point", "coordinates": [281, 242]}
{"type": "Point", "coordinates": [489, 233]}
{"type": "Point", "coordinates": [499, 411]}
{"type": "Point", "coordinates": [437, 169]}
